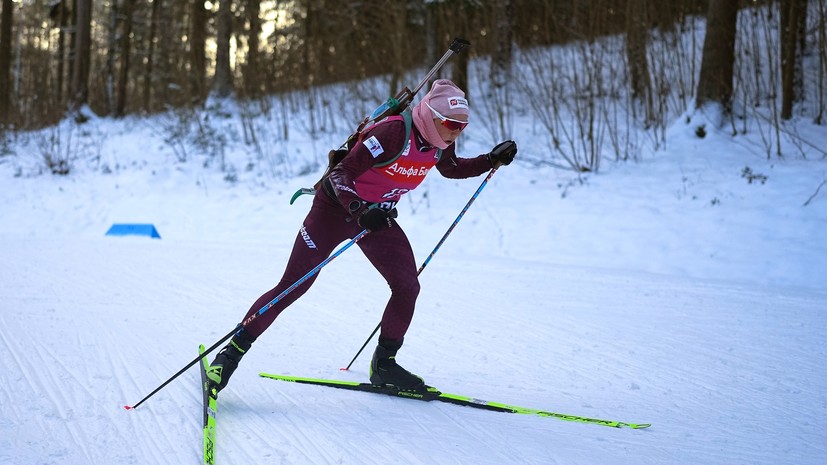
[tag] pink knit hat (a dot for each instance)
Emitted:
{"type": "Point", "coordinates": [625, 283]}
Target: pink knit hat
{"type": "Point", "coordinates": [444, 97]}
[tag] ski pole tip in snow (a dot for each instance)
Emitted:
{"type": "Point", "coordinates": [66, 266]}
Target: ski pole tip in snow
{"type": "Point", "coordinates": [127, 407]}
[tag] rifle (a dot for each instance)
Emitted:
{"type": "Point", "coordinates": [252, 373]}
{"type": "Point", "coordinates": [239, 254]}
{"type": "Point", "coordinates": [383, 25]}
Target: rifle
{"type": "Point", "coordinates": [392, 106]}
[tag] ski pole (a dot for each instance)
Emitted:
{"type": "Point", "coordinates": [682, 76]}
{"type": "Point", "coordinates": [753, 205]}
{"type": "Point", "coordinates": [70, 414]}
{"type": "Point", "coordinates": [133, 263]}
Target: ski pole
{"type": "Point", "coordinates": [255, 315]}
{"type": "Point", "coordinates": [433, 252]}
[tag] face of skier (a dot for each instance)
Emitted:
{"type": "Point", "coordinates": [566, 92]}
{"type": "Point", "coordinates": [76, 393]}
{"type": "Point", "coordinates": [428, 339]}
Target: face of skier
{"type": "Point", "coordinates": [449, 126]}
{"type": "Point", "coordinates": [447, 134]}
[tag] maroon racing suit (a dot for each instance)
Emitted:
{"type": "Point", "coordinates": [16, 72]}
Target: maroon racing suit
{"type": "Point", "coordinates": [332, 220]}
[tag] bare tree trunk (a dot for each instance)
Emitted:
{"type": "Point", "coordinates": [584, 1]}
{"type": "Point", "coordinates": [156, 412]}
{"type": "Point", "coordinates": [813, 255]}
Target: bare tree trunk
{"type": "Point", "coordinates": [73, 50]}
{"type": "Point", "coordinates": [80, 80]}
{"type": "Point", "coordinates": [63, 17]}
{"type": "Point", "coordinates": [497, 98]}
{"type": "Point", "coordinates": [397, 39]}
{"type": "Point", "coordinates": [798, 80]}
{"type": "Point", "coordinates": [791, 12]}
{"type": "Point", "coordinates": [126, 48]}
{"type": "Point", "coordinates": [223, 80]}
{"type": "Point", "coordinates": [150, 55]}
{"type": "Point", "coordinates": [198, 53]}
{"type": "Point", "coordinates": [165, 58]}
{"type": "Point", "coordinates": [252, 75]}
{"type": "Point", "coordinates": [715, 82]}
{"type": "Point", "coordinates": [5, 60]}
{"type": "Point", "coordinates": [460, 70]}
{"type": "Point", "coordinates": [111, 57]}
{"type": "Point", "coordinates": [503, 51]}
{"type": "Point", "coordinates": [308, 64]}
{"type": "Point", "coordinates": [431, 33]}
{"type": "Point", "coordinates": [822, 62]}
{"type": "Point", "coordinates": [636, 56]}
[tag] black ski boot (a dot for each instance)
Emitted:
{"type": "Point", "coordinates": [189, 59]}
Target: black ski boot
{"type": "Point", "coordinates": [227, 359]}
{"type": "Point", "coordinates": [384, 369]}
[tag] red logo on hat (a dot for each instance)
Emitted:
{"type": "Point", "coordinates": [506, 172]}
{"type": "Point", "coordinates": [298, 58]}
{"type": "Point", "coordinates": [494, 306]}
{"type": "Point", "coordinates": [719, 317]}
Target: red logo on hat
{"type": "Point", "coordinates": [457, 102]}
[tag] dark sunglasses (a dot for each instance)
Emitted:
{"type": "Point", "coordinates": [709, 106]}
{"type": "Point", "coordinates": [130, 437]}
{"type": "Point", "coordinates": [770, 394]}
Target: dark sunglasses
{"type": "Point", "coordinates": [449, 123]}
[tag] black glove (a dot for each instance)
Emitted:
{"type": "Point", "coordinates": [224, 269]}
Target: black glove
{"type": "Point", "coordinates": [375, 219]}
{"type": "Point", "coordinates": [503, 153]}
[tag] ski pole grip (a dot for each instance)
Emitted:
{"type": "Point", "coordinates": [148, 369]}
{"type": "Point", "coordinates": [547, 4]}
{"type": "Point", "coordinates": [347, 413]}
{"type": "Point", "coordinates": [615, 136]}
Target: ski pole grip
{"type": "Point", "coordinates": [458, 45]}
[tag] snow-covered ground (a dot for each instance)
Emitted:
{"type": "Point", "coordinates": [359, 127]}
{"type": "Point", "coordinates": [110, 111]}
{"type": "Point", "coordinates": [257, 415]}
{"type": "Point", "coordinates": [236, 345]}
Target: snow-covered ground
{"type": "Point", "coordinates": [668, 291]}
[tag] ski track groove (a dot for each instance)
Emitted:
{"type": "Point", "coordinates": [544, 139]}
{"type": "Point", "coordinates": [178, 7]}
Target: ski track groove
{"type": "Point", "coordinates": [292, 433]}
{"type": "Point", "coordinates": [737, 369]}
{"type": "Point", "coordinates": [101, 322]}
{"type": "Point", "coordinates": [330, 410]}
{"type": "Point", "coordinates": [235, 423]}
{"type": "Point", "coordinates": [37, 382]}
{"type": "Point", "coordinates": [296, 429]}
{"type": "Point", "coordinates": [6, 386]}
{"type": "Point", "coordinates": [117, 363]}
{"type": "Point", "coordinates": [60, 398]}
{"type": "Point", "coordinates": [503, 454]}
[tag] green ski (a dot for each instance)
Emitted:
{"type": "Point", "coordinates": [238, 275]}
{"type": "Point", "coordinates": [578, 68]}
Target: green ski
{"type": "Point", "coordinates": [210, 401]}
{"type": "Point", "coordinates": [434, 395]}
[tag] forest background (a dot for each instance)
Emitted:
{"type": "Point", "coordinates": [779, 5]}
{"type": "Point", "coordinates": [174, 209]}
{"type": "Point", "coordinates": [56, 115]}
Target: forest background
{"type": "Point", "coordinates": [757, 64]}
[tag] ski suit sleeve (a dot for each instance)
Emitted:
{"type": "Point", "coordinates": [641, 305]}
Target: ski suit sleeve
{"type": "Point", "coordinates": [454, 167]}
{"type": "Point", "coordinates": [386, 141]}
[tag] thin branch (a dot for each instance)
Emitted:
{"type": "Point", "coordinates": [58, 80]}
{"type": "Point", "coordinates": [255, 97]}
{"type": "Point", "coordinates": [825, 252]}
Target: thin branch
{"type": "Point", "coordinates": [814, 193]}
{"type": "Point", "coordinates": [793, 135]}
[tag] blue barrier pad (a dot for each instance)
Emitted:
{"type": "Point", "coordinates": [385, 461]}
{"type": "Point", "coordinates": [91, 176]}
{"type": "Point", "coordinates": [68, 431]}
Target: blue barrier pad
{"type": "Point", "coordinates": [128, 229]}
